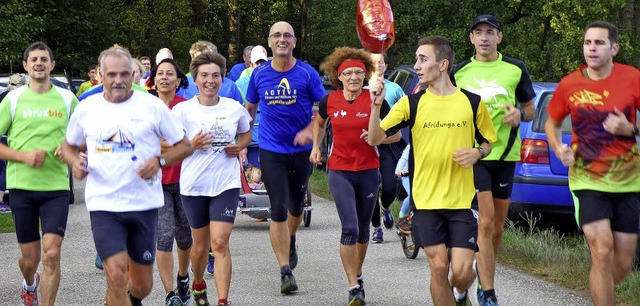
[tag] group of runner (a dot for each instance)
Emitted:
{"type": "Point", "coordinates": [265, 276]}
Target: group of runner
{"type": "Point", "coordinates": [464, 135]}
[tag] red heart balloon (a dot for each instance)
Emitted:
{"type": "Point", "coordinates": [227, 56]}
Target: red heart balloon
{"type": "Point", "coordinates": [374, 22]}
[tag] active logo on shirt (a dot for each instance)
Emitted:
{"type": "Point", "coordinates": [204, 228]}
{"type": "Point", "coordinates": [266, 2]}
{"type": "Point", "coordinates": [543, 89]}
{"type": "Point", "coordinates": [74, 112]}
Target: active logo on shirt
{"type": "Point", "coordinates": [281, 94]}
{"type": "Point", "coordinates": [341, 113]}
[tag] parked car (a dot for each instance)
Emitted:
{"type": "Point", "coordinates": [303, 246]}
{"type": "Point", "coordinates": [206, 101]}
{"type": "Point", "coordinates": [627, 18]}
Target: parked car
{"type": "Point", "coordinates": [406, 77]}
{"type": "Point", "coordinates": [540, 182]}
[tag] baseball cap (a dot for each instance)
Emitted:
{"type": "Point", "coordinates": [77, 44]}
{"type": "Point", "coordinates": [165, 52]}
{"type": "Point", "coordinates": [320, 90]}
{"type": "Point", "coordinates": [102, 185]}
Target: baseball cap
{"type": "Point", "coordinates": [258, 53]}
{"type": "Point", "coordinates": [488, 19]}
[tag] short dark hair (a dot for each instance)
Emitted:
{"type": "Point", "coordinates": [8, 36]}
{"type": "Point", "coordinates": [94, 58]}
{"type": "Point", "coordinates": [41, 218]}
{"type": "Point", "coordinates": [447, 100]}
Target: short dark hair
{"type": "Point", "coordinates": [184, 83]}
{"type": "Point", "coordinates": [91, 67]}
{"type": "Point", "coordinates": [207, 58]}
{"type": "Point", "coordinates": [443, 48]}
{"type": "Point", "coordinates": [613, 30]}
{"type": "Point", "coordinates": [142, 58]}
{"type": "Point", "coordinates": [38, 45]}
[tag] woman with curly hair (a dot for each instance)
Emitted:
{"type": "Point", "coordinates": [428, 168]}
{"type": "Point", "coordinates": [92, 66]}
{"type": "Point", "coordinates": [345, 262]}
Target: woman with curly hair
{"type": "Point", "coordinates": [353, 165]}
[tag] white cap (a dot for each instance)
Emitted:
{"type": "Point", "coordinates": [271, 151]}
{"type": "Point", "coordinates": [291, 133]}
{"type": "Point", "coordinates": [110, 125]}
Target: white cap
{"type": "Point", "coordinates": [258, 53]}
{"type": "Point", "coordinates": [162, 54]}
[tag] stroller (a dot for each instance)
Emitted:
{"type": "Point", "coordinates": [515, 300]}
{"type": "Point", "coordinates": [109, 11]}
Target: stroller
{"type": "Point", "coordinates": [254, 199]}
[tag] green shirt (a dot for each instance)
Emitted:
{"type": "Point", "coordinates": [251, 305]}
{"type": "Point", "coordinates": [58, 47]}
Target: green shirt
{"type": "Point", "coordinates": [37, 121]}
{"type": "Point", "coordinates": [504, 81]}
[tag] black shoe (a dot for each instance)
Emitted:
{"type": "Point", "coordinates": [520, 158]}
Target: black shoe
{"type": "Point", "coordinates": [173, 300]}
{"type": "Point", "coordinates": [293, 257]}
{"type": "Point", "coordinates": [288, 283]}
{"type": "Point", "coordinates": [183, 290]}
{"type": "Point", "coordinates": [356, 297]}
{"type": "Point", "coordinates": [361, 284]}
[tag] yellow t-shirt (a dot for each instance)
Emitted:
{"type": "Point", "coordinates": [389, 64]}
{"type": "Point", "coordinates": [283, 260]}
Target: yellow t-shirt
{"type": "Point", "coordinates": [443, 124]}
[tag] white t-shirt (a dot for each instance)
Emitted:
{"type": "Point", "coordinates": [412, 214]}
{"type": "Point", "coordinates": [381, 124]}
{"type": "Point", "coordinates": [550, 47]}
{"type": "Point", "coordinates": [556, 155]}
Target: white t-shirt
{"type": "Point", "coordinates": [209, 172]}
{"type": "Point", "coordinates": [113, 133]}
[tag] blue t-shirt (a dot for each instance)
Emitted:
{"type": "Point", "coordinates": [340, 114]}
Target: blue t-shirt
{"type": "Point", "coordinates": [227, 90]}
{"type": "Point", "coordinates": [286, 102]}
{"type": "Point", "coordinates": [236, 70]}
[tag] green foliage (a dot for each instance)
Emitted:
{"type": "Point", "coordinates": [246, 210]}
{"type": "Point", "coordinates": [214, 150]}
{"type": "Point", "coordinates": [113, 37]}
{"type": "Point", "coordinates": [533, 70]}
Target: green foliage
{"type": "Point", "coordinates": [6, 223]}
{"type": "Point", "coordinates": [546, 35]}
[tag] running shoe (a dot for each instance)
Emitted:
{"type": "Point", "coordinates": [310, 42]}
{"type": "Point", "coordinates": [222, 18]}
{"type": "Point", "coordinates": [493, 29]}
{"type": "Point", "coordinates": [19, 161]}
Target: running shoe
{"type": "Point", "coordinates": [209, 269]}
{"type": "Point", "coordinates": [361, 284]}
{"type": "Point", "coordinates": [387, 218]}
{"type": "Point", "coordinates": [200, 297]}
{"type": "Point", "coordinates": [183, 290]}
{"type": "Point", "coordinates": [404, 226]}
{"type": "Point", "coordinates": [173, 300]}
{"type": "Point", "coordinates": [377, 235]}
{"type": "Point", "coordinates": [98, 262]}
{"type": "Point", "coordinates": [293, 256]}
{"type": "Point", "coordinates": [30, 298]}
{"type": "Point", "coordinates": [4, 208]}
{"type": "Point", "coordinates": [464, 302]}
{"type": "Point", "coordinates": [288, 283]}
{"type": "Point", "coordinates": [490, 300]}
{"type": "Point", "coordinates": [356, 297]}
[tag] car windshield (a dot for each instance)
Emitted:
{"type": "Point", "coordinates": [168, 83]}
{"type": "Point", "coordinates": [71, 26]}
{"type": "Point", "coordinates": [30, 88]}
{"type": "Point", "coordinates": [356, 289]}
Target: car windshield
{"type": "Point", "coordinates": [542, 116]}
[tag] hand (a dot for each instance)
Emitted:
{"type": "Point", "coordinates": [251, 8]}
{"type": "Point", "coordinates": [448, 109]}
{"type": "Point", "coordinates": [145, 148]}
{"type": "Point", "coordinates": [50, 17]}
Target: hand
{"type": "Point", "coordinates": [316, 156]}
{"type": "Point", "coordinates": [466, 157]}
{"type": "Point", "coordinates": [233, 150]}
{"type": "Point", "coordinates": [364, 135]}
{"type": "Point", "coordinates": [616, 123]}
{"type": "Point", "coordinates": [149, 169]}
{"type": "Point", "coordinates": [35, 158]}
{"type": "Point", "coordinates": [79, 166]}
{"type": "Point", "coordinates": [303, 137]}
{"type": "Point", "coordinates": [58, 152]}
{"type": "Point", "coordinates": [401, 173]}
{"type": "Point", "coordinates": [243, 155]}
{"type": "Point", "coordinates": [377, 89]}
{"type": "Point", "coordinates": [512, 117]}
{"type": "Point", "coordinates": [565, 155]}
{"type": "Point", "coordinates": [202, 140]}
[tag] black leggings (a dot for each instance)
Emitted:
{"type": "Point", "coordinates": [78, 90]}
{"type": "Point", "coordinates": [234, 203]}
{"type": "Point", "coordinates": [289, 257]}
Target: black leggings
{"type": "Point", "coordinates": [389, 156]}
{"type": "Point", "coordinates": [355, 194]}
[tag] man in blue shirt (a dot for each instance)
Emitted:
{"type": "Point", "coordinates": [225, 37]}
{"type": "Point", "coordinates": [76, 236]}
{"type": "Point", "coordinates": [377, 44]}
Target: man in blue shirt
{"type": "Point", "coordinates": [286, 89]}
{"type": "Point", "coordinates": [237, 69]}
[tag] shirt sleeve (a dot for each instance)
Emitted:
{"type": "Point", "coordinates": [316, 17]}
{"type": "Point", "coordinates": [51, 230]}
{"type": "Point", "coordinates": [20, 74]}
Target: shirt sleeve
{"type": "Point", "coordinates": [322, 107]}
{"type": "Point", "coordinates": [485, 131]}
{"type": "Point", "coordinates": [170, 129]}
{"type": "Point", "coordinates": [524, 90]}
{"type": "Point", "coordinates": [244, 122]}
{"type": "Point", "coordinates": [252, 95]}
{"type": "Point", "coordinates": [397, 117]}
{"type": "Point", "coordinates": [75, 130]}
{"type": "Point", "coordinates": [558, 107]}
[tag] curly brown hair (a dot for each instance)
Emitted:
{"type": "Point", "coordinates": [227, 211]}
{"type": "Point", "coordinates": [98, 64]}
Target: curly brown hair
{"type": "Point", "coordinates": [341, 54]}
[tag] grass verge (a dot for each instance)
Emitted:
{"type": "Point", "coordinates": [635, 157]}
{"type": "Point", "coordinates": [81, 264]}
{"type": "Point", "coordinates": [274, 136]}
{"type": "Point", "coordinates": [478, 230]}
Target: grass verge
{"type": "Point", "coordinates": [6, 223]}
{"type": "Point", "coordinates": [561, 259]}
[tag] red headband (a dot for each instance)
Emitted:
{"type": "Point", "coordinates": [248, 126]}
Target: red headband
{"type": "Point", "coordinates": [351, 63]}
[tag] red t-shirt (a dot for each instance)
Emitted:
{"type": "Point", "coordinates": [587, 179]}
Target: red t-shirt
{"type": "Point", "coordinates": [349, 152]}
{"type": "Point", "coordinates": [171, 174]}
{"type": "Point", "coordinates": [604, 162]}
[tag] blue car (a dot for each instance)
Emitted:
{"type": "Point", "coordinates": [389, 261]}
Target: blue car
{"type": "Point", "coordinates": [540, 183]}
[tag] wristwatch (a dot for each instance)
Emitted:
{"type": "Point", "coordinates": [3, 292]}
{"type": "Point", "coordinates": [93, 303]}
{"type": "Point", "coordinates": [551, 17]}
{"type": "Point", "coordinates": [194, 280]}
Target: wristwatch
{"type": "Point", "coordinates": [161, 161]}
{"type": "Point", "coordinates": [482, 154]}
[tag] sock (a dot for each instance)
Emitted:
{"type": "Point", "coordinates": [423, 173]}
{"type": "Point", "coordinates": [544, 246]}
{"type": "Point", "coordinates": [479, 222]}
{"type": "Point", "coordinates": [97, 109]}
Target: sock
{"type": "Point", "coordinates": [200, 286]}
{"type": "Point", "coordinates": [458, 296]}
{"type": "Point", "coordinates": [354, 287]}
{"type": "Point", "coordinates": [284, 270]}
{"type": "Point", "coordinates": [181, 278]}
{"type": "Point", "coordinates": [293, 241]}
{"type": "Point", "coordinates": [402, 215]}
{"type": "Point", "coordinates": [134, 300]}
{"type": "Point", "coordinates": [491, 292]}
{"type": "Point", "coordinates": [32, 287]}
{"type": "Point", "coordinates": [222, 301]}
